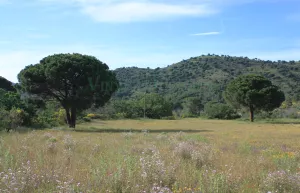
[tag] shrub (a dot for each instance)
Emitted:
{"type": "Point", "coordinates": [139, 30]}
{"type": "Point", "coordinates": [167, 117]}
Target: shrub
{"type": "Point", "coordinates": [192, 107]}
{"type": "Point", "coordinates": [121, 115]}
{"type": "Point", "coordinates": [49, 116]}
{"type": "Point", "coordinates": [86, 119]}
{"type": "Point", "coordinates": [104, 116]}
{"type": "Point", "coordinates": [200, 153]}
{"type": "Point", "coordinates": [289, 112]}
{"type": "Point", "coordinates": [169, 118]}
{"type": "Point", "coordinates": [93, 116]}
{"type": "Point", "coordinates": [4, 117]}
{"type": "Point", "coordinates": [60, 116]}
{"type": "Point", "coordinates": [220, 111]}
{"type": "Point", "coordinates": [16, 117]}
{"type": "Point", "coordinates": [127, 109]}
{"type": "Point", "coordinates": [12, 119]}
{"type": "Point", "coordinates": [155, 106]}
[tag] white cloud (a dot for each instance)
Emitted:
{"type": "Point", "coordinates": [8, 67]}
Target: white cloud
{"type": "Point", "coordinates": [206, 34]}
{"type": "Point", "coordinates": [131, 11]}
{"type": "Point", "coordinates": [135, 10]}
{"type": "Point", "coordinates": [148, 10]}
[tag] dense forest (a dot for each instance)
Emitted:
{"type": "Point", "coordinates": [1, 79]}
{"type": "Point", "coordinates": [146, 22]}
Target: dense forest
{"type": "Point", "coordinates": [206, 77]}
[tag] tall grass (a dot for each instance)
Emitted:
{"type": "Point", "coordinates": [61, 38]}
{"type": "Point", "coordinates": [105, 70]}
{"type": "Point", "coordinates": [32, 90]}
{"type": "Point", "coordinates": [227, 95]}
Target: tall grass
{"type": "Point", "coordinates": [135, 162]}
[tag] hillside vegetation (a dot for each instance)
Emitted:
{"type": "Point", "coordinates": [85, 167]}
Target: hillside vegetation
{"type": "Point", "coordinates": [206, 77]}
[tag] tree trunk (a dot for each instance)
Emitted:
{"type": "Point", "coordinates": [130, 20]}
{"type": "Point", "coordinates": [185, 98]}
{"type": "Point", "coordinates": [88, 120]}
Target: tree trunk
{"type": "Point", "coordinates": [69, 122]}
{"type": "Point", "coordinates": [251, 114]}
{"type": "Point", "coordinates": [73, 108]}
{"type": "Point", "coordinates": [73, 117]}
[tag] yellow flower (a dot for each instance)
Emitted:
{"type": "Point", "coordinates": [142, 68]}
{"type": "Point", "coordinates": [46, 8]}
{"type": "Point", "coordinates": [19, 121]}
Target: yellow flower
{"type": "Point", "coordinates": [291, 154]}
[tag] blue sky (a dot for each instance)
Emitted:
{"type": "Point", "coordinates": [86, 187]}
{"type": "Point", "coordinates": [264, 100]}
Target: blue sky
{"type": "Point", "coordinates": [146, 33]}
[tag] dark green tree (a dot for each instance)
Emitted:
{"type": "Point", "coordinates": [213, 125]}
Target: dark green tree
{"type": "Point", "coordinates": [253, 92]}
{"type": "Point", "coordinates": [155, 106]}
{"type": "Point", "coordinates": [6, 84]}
{"type": "Point", "coordinates": [214, 110]}
{"type": "Point", "coordinates": [193, 106]}
{"type": "Point", "coordinates": [76, 81]}
{"type": "Point", "coordinates": [10, 99]}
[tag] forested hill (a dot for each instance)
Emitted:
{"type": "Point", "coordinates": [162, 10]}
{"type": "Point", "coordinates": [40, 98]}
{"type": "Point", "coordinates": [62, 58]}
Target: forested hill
{"type": "Point", "coordinates": [206, 77]}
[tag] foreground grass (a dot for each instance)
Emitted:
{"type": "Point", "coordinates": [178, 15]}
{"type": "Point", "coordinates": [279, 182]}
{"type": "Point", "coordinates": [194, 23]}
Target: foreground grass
{"type": "Point", "coordinates": [187, 155]}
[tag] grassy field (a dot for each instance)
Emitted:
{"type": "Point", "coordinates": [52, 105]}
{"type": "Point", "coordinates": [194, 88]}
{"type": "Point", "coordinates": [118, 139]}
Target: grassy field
{"type": "Point", "coordinates": [136, 156]}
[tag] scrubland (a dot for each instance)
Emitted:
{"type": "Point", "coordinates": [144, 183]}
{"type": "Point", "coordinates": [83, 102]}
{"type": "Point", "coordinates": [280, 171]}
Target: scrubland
{"type": "Point", "coordinates": [135, 156]}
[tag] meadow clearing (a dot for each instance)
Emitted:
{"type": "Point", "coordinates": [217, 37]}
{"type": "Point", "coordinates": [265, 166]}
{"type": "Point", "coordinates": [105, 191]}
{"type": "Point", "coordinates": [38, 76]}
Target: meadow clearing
{"type": "Point", "coordinates": [135, 156]}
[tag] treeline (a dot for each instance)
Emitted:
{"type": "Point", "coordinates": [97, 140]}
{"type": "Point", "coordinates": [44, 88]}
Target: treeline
{"type": "Point", "coordinates": [66, 89]}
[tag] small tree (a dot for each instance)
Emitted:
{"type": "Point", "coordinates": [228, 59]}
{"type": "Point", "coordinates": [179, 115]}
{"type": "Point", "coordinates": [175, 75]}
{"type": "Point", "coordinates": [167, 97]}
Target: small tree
{"type": "Point", "coordinates": [16, 117]}
{"type": "Point", "coordinates": [193, 106]}
{"type": "Point", "coordinates": [155, 106]}
{"type": "Point", "coordinates": [253, 92]}
{"type": "Point", "coordinates": [4, 119]}
{"type": "Point", "coordinates": [12, 119]}
{"type": "Point", "coordinates": [214, 110]}
{"type": "Point", "coordinates": [76, 81]}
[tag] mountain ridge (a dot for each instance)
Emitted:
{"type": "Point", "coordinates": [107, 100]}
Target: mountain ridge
{"type": "Point", "coordinates": [205, 77]}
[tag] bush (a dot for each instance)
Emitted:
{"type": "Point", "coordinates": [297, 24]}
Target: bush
{"type": "Point", "coordinates": [215, 110]}
{"type": "Point", "coordinates": [192, 107]}
{"type": "Point", "coordinates": [200, 153]}
{"type": "Point", "coordinates": [93, 116]}
{"type": "Point", "coordinates": [86, 119]}
{"type": "Point", "coordinates": [4, 117]}
{"type": "Point", "coordinates": [290, 112]}
{"type": "Point", "coordinates": [155, 107]}
{"type": "Point", "coordinates": [11, 120]}
{"type": "Point", "coordinates": [169, 118]}
{"type": "Point", "coordinates": [49, 116]}
{"type": "Point", "coordinates": [60, 116]}
{"type": "Point", "coordinates": [121, 115]}
{"type": "Point", "coordinates": [17, 117]}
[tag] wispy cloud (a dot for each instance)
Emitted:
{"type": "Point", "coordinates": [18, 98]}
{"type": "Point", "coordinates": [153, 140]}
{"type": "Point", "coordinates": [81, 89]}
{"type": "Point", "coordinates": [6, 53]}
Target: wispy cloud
{"type": "Point", "coordinates": [129, 11]}
{"type": "Point", "coordinates": [120, 11]}
{"type": "Point", "coordinates": [206, 33]}
{"type": "Point", "coordinates": [135, 10]}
